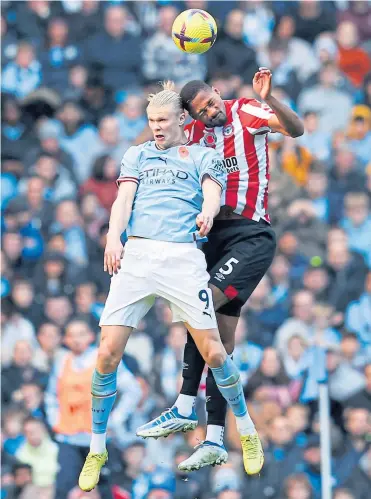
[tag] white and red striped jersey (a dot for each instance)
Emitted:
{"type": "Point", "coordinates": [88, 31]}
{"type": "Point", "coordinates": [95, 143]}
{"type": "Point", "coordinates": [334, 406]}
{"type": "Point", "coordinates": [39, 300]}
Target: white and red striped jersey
{"type": "Point", "coordinates": [243, 143]}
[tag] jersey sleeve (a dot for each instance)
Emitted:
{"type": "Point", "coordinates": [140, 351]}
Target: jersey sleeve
{"type": "Point", "coordinates": [254, 115]}
{"type": "Point", "coordinates": [211, 164]}
{"type": "Point", "coordinates": [129, 171]}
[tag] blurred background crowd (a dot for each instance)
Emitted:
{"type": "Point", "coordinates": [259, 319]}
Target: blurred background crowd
{"type": "Point", "coordinates": [75, 75]}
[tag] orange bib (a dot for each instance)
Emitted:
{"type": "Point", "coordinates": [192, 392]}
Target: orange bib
{"type": "Point", "coordinates": [74, 396]}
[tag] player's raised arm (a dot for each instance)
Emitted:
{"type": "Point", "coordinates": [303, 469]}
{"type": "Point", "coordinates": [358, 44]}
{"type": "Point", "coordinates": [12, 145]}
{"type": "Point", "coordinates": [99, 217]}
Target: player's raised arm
{"type": "Point", "coordinates": [284, 120]}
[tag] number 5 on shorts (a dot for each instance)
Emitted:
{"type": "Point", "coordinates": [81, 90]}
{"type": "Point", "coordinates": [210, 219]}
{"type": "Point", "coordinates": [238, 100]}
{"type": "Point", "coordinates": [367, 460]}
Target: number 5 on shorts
{"type": "Point", "coordinates": [229, 265]}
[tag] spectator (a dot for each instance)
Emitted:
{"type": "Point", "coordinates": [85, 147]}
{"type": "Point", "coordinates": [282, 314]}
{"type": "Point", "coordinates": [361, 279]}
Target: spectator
{"type": "Point", "coordinates": [13, 419]}
{"type": "Point", "coordinates": [96, 100]}
{"type": "Point", "coordinates": [316, 190]}
{"type": "Point", "coordinates": [343, 178]}
{"type": "Point", "coordinates": [358, 315]}
{"type": "Point", "coordinates": [40, 452]}
{"type": "Point", "coordinates": [298, 418]}
{"type": "Point", "coordinates": [8, 43]}
{"type": "Point", "coordinates": [326, 100]}
{"type": "Point", "coordinates": [246, 355]}
{"type": "Point", "coordinates": [294, 357]}
{"type": "Point", "coordinates": [162, 60]}
{"type": "Point", "coordinates": [102, 181]}
{"type": "Point", "coordinates": [360, 133]}
{"type": "Point", "coordinates": [347, 272]}
{"type": "Point", "coordinates": [352, 353]}
{"type": "Point", "coordinates": [53, 277]}
{"type": "Point", "coordinates": [296, 160]}
{"type": "Point", "coordinates": [117, 71]}
{"type": "Point", "coordinates": [77, 81]}
{"type": "Point", "coordinates": [288, 246]}
{"type": "Point", "coordinates": [311, 19]}
{"type": "Point", "coordinates": [357, 222]}
{"type": "Point", "coordinates": [259, 24]}
{"type": "Point", "coordinates": [231, 55]}
{"type": "Point", "coordinates": [364, 95]}
{"type": "Point", "coordinates": [310, 231]}
{"type": "Point", "coordinates": [107, 142]}
{"type": "Point", "coordinates": [284, 74]}
{"type": "Point", "coordinates": [85, 300]}
{"type": "Point", "coordinates": [15, 328]}
{"type": "Point", "coordinates": [25, 301]}
{"type": "Point", "coordinates": [93, 214]}
{"type": "Point", "coordinates": [87, 21]}
{"type": "Point", "coordinates": [362, 399]}
{"type": "Point", "coordinates": [16, 138]}
{"type": "Point", "coordinates": [317, 142]}
{"type": "Point", "coordinates": [69, 222]}
{"type": "Point", "coordinates": [298, 50]}
{"type": "Point", "coordinates": [131, 116]}
{"type": "Point", "coordinates": [354, 61]}
{"type": "Point", "coordinates": [316, 280]}
{"type": "Point", "coordinates": [32, 398]}
{"type": "Point", "coordinates": [68, 413]}
{"type": "Point", "coordinates": [58, 310]}
{"type": "Point", "coordinates": [297, 486]}
{"type": "Point", "coordinates": [129, 467]}
{"type": "Point", "coordinates": [20, 371]}
{"type": "Point", "coordinates": [23, 75]}
{"type": "Point", "coordinates": [12, 248]}
{"type": "Point", "coordinates": [50, 338]}
{"type": "Point", "coordinates": [32, 19]}
{"type": "Point", "coordinates": [58, 55]}
{"type": "Point", "coordinates": [263, 315]}
{"type": "Point", "coordinates": [57, 180]}
{"type": "Point", "coordinates": [78, 137]}
{"type": "Point", "coordinates": [270, 381]}
{"type": "Point", "coordinates": [22, 477]}
{"type": "Point", "coordinates": [50, 134]}
{"type": "Point", "coordinates": [41, 209]}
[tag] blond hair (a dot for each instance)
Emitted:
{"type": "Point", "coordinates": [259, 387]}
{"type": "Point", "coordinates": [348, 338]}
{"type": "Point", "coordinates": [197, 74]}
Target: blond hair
{"type": "Point", "coordinates": [166, 97]}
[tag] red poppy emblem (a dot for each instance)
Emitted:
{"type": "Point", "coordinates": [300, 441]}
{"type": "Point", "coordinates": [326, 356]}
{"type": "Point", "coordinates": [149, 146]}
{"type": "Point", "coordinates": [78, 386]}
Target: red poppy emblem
{"type": "Point", "coordinates": [183, 152]}
{"type": "Point", "coordinates": [209, 139]}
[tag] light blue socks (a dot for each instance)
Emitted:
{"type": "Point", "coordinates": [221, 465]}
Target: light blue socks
{"type": "Point", "coordinates": [103, 390]}
{"type": "Point", "coordinates": [228, 380]}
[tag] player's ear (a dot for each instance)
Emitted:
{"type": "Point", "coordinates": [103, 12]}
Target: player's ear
{"type": "Point", "coordinates": [216, 90]}
{"type": "Point", "coordinates": [182, 118]}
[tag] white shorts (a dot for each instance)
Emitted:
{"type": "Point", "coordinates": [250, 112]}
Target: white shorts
{"type": "Point", "coordinates": [174, 271]}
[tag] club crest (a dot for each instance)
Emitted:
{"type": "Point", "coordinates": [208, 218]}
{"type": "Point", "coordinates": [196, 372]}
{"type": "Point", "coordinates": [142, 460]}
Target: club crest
{"type": "Point", "coordinates": [228, 130]}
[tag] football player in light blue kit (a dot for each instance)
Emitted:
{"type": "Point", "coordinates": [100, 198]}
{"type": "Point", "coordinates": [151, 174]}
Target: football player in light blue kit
{"type": "Point", "coordinates": [169, 194]}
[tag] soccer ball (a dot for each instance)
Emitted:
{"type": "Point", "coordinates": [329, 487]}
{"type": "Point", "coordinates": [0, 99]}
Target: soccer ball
{"type": "Point", "coordinates": [194, 31]}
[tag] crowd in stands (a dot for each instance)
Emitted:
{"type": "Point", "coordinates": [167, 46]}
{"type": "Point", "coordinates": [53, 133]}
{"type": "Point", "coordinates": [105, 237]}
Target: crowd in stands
{"type": "Point", "coordinates": [75, 75]}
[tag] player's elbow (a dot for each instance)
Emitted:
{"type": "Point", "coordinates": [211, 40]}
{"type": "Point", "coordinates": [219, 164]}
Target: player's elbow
{"type": "Point", "coordinates": [297, 130]}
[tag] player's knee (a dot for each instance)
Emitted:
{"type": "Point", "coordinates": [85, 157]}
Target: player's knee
{"type": "Point", "coordinates": [108, 358]}
{"type": "Point", "coordinates": [215, 354]}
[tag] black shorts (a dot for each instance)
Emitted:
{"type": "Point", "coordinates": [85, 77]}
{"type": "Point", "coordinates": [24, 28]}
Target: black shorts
{"type": "Point", "coordinates": [238, 254]}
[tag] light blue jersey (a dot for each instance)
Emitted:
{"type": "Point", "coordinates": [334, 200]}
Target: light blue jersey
{"type": "Point", "coordinates": [169, 195]}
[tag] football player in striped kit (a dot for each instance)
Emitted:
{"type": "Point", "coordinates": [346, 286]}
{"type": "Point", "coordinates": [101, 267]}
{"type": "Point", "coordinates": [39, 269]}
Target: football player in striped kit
{"type": "Point", "coordinates": [241, 244]}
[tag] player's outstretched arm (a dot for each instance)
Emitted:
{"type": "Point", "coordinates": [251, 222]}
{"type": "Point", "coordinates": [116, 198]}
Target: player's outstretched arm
{"type": "Point", "coordinates": [284, 121]}
{"type": "Point", "coordinates": [210, 207]}
{"type": "Point", "coordinates": [120, 216]}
